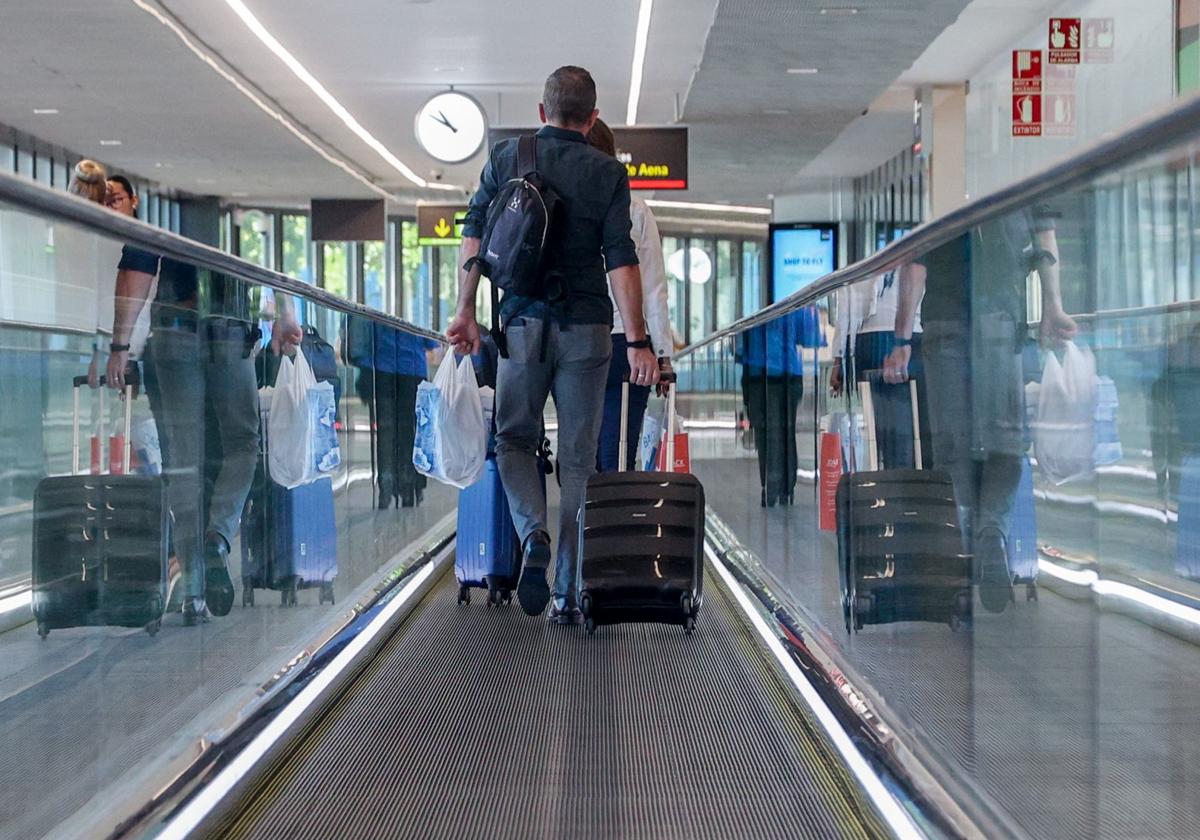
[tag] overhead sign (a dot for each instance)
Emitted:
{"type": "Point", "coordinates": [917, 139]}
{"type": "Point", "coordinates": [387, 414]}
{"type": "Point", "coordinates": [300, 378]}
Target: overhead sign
{"type": "Point", "coordinates": [348, 219]}
{"type": "Point", "coordinates": [655, 158]}
{"type": "Point", "coordinates": [1065, 40]}
{"type": "Point", "coordinates": [1027, 71]}
{"type": "Point", "coordinates": [440, 224]}
{"type": "Point", "coordinates": [1098, 36]}
{"type": "Point", "coordinates": [1027, 115]}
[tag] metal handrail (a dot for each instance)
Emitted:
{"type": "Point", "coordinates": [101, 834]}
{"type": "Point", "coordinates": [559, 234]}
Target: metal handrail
{"type": "Point", "coordinates": [57, 205]}
{"type": "Point", "coordinates": [1156, 132]}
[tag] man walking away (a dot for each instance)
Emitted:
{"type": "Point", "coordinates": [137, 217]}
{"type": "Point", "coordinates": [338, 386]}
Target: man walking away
{"type": "Point", "coordinates": [563, 345]}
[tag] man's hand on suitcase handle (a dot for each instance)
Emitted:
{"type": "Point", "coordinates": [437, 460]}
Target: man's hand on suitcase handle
{"type": "Point", "coordinates": [666, 375]}
{"type": "Point", "coordinates": [895, 367]}
{"type": "Point", "coordinates": [643, 366]}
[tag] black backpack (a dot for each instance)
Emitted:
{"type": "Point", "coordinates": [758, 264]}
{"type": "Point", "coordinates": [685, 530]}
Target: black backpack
{"type": "Point", "coordinates": [519, 238]}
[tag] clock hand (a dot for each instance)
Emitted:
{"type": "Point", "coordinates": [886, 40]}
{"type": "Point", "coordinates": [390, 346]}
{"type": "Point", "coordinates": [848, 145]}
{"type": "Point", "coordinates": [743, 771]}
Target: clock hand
{"type": "Point", "coordinates": [442, 119]}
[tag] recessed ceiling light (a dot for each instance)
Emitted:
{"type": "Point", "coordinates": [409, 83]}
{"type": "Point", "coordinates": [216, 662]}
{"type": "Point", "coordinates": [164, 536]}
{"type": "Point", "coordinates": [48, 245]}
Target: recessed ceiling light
{"type": "Point", "coordinates": [110, 142]}
{"type": "Point", "coordinates": [448, 69]}
{"type": "Point", "coordinates": [842, 12]}
{"type": "Point", "coordinates": [803, 71]}
{"type": "Point", "coordinates": [641, 36]}
{"type": "Point", "coordinates": [240, 194]}
{"type": "Point", "coordinates": [45, 111]}
{"type": "Point", "coordinates": [206, 180]}
{"type": "Point", "coordinates": [776, 112]}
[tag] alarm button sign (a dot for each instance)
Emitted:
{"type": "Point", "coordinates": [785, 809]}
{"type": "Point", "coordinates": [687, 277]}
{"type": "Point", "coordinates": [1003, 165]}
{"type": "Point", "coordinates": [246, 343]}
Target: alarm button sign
{"type": "Point", "coordinates": [1066, 40]}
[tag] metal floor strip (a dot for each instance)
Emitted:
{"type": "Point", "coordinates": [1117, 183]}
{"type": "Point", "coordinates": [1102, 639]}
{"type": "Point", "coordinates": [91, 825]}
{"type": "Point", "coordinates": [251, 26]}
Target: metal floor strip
{"type": "Point", "coordinates": [477, 722]}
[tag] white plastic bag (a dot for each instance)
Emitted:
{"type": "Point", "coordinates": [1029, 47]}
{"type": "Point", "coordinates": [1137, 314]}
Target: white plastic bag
{"type": "Point", "coordinates": [146, 445]}
{"type": "Point", "coordinates": [653, 426]}
{"type": "Point", "coordinates": [1064, 434]}
{"type": "Point", "coordinates": [451, 441]}
{"type": "Point", "coordinates": [302, 440]}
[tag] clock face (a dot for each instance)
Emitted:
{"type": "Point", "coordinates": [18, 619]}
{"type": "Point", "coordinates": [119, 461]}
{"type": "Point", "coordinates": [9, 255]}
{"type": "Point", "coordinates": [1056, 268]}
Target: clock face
{"type": "Point", "coordinates": [451, 127]}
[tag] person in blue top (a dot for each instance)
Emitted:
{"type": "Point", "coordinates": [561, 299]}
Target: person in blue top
{"type": "Point", "coordinates": [772, 385]}
{"type": "Point", "coordinates": [392, 364]}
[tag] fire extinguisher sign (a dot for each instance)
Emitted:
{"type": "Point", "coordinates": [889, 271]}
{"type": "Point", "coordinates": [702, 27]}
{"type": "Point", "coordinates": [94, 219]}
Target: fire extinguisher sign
{"type": "Point", "coordinates": [1027, 115]}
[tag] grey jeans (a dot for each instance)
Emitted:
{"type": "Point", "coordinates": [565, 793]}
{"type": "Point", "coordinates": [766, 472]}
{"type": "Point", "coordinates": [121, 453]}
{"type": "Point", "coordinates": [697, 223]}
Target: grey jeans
{"type": "Point", "coordinates": [575, 369]}
{"type": "Point", "coordinates": [977, 415]}
{"type": "Point", "coordinates": [207, 413]}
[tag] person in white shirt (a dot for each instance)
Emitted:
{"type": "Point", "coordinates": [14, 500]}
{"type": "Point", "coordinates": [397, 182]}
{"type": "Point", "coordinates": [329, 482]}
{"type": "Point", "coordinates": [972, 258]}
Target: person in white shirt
{"type": "Point", "coordinates": [658, 324]}
{"type": "Point", "coordinates": [865, 335]}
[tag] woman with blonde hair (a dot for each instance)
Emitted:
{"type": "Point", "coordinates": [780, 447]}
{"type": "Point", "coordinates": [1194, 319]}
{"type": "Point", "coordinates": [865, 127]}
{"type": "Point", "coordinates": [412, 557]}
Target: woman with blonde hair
{"type": "Point", "coordinates": [89, 180]}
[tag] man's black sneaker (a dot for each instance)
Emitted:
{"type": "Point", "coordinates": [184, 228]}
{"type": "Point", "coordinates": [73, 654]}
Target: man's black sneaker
{"type": "Point", "coordinates": [195, 612]}
{"type": "Point", "coordinates": [995, 580]}
{"type": "Point", "coordinates": [532, 590]}
{"type": "Point", "coordinates": [218, 585]}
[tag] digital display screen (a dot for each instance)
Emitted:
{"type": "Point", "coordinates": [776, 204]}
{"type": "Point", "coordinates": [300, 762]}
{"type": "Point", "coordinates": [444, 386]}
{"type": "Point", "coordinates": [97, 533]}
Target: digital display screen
{"type": "Point", "coordinates": [801, 254]}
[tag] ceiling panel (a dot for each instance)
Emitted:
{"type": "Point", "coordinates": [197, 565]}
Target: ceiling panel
{"type": "Point", "coordinates": [115, 73]}
{"type": "Point", "coordinates": [741, 151]}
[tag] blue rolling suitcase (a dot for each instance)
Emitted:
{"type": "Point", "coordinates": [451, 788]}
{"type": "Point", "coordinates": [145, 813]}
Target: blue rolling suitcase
{"type": "Point", "coordinates": [1187, 546]}
{"type": "Point", "coordinates": [1022, 535]}
{"type": "Point", "coordinates": [289, 541]}
{"type": "Point", "coordinates": [487, 552]}
{"type": "Point", "coordinates": [289, 537]}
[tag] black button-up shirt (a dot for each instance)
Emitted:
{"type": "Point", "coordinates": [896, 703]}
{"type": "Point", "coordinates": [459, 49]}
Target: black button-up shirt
{"type": "Point", "coordinates": [596, 229]}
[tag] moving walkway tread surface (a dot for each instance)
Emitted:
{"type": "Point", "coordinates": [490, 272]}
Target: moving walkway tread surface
{"type": "Point", "coordinates": [482, 722]}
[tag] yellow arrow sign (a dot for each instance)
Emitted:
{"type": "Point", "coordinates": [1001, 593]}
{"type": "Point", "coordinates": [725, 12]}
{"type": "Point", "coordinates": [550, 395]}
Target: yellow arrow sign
{"type": "Point", "coordinates": [442, 229]}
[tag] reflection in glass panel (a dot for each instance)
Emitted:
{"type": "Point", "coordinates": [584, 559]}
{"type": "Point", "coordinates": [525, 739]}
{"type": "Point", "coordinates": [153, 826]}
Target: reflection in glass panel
{"type": "Point", "coordinates": [217, 540]}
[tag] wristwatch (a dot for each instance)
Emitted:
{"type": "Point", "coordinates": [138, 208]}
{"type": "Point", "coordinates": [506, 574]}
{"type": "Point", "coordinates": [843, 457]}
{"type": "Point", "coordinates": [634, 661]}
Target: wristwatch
{"type": "Point", "coordinates": [903, 342]}
{"type": "Point", "coordinates": [118, 348]}
{"type": "Point", "coordinates": [640, 344]}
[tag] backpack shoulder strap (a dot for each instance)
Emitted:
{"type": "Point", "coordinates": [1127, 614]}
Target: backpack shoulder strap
{"type": "Point", "coordinates": [526, 155]}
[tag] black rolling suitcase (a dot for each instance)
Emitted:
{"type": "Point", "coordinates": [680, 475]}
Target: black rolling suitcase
{"type": "Point", "coordinates": [900, 547]}
{"type": "Point", "coordinates": [100, 543]}
{"type": "Point", "coordinates": [641, 542]}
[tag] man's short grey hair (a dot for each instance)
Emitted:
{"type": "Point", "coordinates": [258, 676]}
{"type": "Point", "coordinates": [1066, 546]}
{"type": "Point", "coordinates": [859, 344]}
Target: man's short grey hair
{"type": "Point", "coordinates": [570, 96]}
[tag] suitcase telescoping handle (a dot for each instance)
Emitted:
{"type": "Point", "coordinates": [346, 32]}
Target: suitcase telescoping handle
{"type": "Point", "coordinates": [623, 454]}
{"type": "Point", "coordinates": [77, 383]}
{"type": "Point", "coordinates": [868, 409]}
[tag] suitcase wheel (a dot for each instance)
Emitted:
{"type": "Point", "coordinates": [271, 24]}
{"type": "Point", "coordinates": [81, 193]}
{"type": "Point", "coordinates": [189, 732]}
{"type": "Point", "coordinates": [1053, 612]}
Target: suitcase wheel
{"type": "Point", "coordinates": [464, 594]}
{"type": "Point", "coordinates": [287, 596]}
{"type": "Point", "coordinates": [689, 614]}
{"type": "Point", "coordinates": [153, 627]}
{"type": "Point", "coordinates": [327, 594]}
{"type": "Point", "coordinates": [247, 595]}
{"type": "Point", "coordinates": [43, 630]}
{"type": "Point", "coordinates": [1031, 591]}
{"type": "Point", "coordinates": [590, 625]}
{"type": "Point", "coordinates": [961, 617]}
